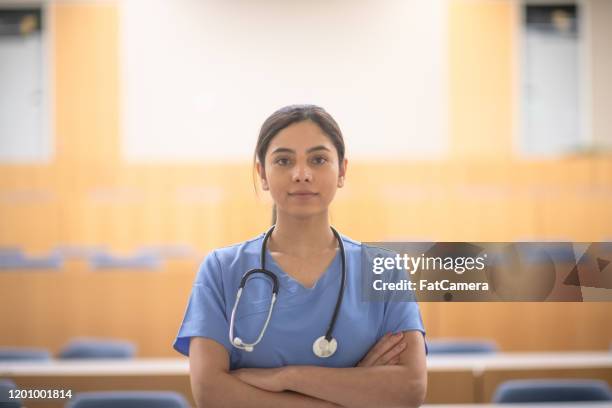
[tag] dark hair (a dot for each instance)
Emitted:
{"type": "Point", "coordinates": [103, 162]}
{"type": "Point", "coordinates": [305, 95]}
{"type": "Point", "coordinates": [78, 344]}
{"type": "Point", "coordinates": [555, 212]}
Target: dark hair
{"type": "Point", "coordinates": [288, 115]}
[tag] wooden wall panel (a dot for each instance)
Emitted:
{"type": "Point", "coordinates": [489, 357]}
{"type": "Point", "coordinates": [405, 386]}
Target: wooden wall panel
{"type": "Point", "coordinates": [525, 326]}
{"type": "Point", "coordinates": [47, 308]}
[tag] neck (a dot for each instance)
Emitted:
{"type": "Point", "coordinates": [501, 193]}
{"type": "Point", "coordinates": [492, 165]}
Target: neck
{"type": "Point", "coordinates": [302, 237]}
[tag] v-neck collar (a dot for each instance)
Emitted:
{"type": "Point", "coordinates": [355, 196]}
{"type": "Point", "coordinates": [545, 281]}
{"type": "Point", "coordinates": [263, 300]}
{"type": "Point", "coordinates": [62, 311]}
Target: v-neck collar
{"type": "Point", "coordinates": [293, 285]}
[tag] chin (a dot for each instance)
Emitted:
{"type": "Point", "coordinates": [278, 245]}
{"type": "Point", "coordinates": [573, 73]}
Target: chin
{"type": "Point", "coordinates": [305, 213]}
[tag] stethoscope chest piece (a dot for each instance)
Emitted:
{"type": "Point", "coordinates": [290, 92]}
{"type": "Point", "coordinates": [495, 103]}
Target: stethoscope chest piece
{"type": "Point", "coordinates": [324, 348]}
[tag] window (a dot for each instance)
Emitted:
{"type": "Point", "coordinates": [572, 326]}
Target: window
{"type": "Point", "coordinates": [552, 108]}
{"type": "Point", "coordinates": [24, 134]}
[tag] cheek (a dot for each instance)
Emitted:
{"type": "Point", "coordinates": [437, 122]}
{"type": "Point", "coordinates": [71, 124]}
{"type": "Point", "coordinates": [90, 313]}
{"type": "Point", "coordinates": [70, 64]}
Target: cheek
{"type": "Point", "coordinates": [276, 183]}
{"type": "Point", "coordinates": [329, 183]}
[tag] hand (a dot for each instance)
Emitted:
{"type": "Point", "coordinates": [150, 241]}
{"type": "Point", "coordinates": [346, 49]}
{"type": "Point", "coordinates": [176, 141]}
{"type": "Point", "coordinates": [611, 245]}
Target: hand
{"type": "Point", "coordinates": [385, 352]}
{"type": "Point", "coordinates": [268, 379]}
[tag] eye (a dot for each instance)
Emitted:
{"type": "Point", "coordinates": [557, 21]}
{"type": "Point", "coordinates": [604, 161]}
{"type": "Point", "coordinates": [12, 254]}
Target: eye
{"type": "Point", "coordinates": [282, 161]}
{"type": "Point", "coordinates": [319, 160]}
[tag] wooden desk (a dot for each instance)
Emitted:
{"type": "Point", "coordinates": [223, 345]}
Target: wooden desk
{"type": "Point", "coordinates": [108, 375]}
{"type": "Point", "coordinates": [545, 365]}
{"type": "Point", "coordinates": [488, 371]}
{"type": "Point", "coordinates": [538, 405]}
{"type": "Point", "coordinates": [452, 379]}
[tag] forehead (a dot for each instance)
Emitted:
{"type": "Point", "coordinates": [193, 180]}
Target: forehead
{"type": "Point", "coordinates": [300, 136]}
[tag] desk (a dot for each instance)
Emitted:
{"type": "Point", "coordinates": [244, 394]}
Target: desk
{"type": "Point", "coordinates": [521, 361]}
{"type": "Point", "coordinates": [80, 375]}
{"type": "Point", "coordinates": [539, 405]}
{"type": "Point", "coordinates": [490, 370]}
{"type": "Point", "coordinates": [452, 379]}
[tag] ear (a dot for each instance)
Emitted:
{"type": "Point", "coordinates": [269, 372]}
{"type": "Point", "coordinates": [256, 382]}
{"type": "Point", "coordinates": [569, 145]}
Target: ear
{"type": "Point", "coordinates": [262, 175]}
{"type": "Point", "coordinates": [342, 173]}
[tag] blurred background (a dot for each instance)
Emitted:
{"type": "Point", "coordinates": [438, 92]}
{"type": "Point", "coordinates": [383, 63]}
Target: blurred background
{"type": "Point", "coordinates": [127, 131]}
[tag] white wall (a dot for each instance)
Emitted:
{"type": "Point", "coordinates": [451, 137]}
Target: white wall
{"type": "Point", "coordinates": [200, 76]}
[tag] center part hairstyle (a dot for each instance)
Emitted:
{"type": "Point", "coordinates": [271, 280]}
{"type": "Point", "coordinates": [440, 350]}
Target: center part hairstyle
{"type": "Point", "coordinates": [288, 115]}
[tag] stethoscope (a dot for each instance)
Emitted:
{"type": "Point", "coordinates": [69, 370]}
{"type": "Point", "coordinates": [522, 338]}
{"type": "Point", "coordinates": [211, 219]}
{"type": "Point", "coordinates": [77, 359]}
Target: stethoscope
{"type": "Point", "coordinates": [324, 346]}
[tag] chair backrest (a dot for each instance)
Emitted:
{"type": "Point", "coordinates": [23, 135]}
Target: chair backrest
{"type": "Point", "coordinates": [526, 391]}
{"type": "Point", "coordinates": [450, 346]}
{"type": "Point", "coordinates": [20, 261]}
{"type": "Point", "coordinates": [23, 354]}
{"type": "Point", "coordinates": [128, 399]}
{"type": "Point", "coordinates": [97, 348]}
{"type": "Point", "coordinates": [5, 400]}
{"type": "Point", "coordinates": [141, 261]}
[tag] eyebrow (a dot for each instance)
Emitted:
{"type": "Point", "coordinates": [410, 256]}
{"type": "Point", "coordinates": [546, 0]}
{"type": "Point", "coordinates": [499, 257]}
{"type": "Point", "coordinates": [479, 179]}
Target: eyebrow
{"type": "Point", "coordinates": [312, 149]}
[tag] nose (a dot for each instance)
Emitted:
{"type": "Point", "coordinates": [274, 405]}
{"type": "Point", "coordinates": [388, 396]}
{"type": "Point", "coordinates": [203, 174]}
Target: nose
{"type": "Point", "coordinates": [301, 173]}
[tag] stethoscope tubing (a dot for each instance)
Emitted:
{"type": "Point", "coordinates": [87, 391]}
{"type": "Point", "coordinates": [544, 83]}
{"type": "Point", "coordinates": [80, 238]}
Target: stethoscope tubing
{"type": "Point", "coordinates": [237, 342]}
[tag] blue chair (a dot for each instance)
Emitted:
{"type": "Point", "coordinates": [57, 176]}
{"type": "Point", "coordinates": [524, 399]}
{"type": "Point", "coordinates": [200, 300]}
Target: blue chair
{"type": "Point", "coordinates": [128, 399]}
{"type": "Point", "coordinates": [451, 346]}
{"type": "Point", "coordinates": [98, 349]}
{"type": "Point", "coordinates": [533, 391]}
{"type": "Point", "coordinates": [7, 251]}
{"type": "Point", "coordinates": [17, 260]}
{"type": "Point", "coordinates": [24, 354]}
{"type": "Point", "coordinates": [5, 400]}
{"type": "Point", "coordinates": [145, 261]}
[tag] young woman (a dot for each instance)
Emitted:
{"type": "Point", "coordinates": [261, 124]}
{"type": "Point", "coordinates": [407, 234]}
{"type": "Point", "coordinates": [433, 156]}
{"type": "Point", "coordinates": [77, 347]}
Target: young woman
{"type": "Point", "coordinates": [318, 344]}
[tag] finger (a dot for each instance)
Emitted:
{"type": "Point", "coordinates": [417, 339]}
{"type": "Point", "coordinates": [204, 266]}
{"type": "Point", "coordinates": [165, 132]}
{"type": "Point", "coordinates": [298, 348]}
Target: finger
{"type": "Point", "coordinates": [375, 351]}
{"type": "Point", "coordinates": [394, 361]}
{"type": "Point", "coordinates": [371, 355]}
{"type": "Point", "coordinates": [391, 354]}
{"type": "Point", "coordinates": [381, 347]}
{"type": "Point", "coordinates": [386, 346]}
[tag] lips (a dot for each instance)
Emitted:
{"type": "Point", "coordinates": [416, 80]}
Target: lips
{"type": "Point", "coordinates": [303, 193]}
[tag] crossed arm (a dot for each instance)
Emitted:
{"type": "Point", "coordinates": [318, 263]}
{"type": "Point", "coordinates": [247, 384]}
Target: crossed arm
{"type": "Point", "coordinates": [391, 374]}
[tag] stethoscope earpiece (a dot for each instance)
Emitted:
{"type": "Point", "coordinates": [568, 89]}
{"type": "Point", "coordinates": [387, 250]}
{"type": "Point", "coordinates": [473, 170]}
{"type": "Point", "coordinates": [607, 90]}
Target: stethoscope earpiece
{"type": "Point", "coordinates": [325, 346]}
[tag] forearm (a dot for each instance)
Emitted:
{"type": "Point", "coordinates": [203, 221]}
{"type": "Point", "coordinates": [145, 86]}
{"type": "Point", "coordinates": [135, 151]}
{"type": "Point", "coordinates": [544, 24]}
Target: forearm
{"type": "Point", "coordinates": [223, 390]}
{"type": "Point", "coordinates": [356, 387]}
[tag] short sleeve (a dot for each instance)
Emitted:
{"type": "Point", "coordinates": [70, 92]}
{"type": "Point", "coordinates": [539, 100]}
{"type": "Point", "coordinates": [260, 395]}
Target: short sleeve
{"type": "Point", "coordinates": [402, 316]}
{"type": "Point", "coordinates": [205, 314]}
{"type": "Point", "coordinates": [402, 311]}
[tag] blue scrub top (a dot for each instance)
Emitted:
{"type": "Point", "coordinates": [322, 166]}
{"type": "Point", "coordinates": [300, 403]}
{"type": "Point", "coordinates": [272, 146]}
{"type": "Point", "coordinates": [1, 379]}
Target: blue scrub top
{"type": "Point", "coordinates": [300, 315]}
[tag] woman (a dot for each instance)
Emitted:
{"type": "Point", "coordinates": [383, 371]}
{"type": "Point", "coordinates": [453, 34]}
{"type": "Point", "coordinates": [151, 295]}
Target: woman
{"type": "Point", "coordinates": [380, 355]}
